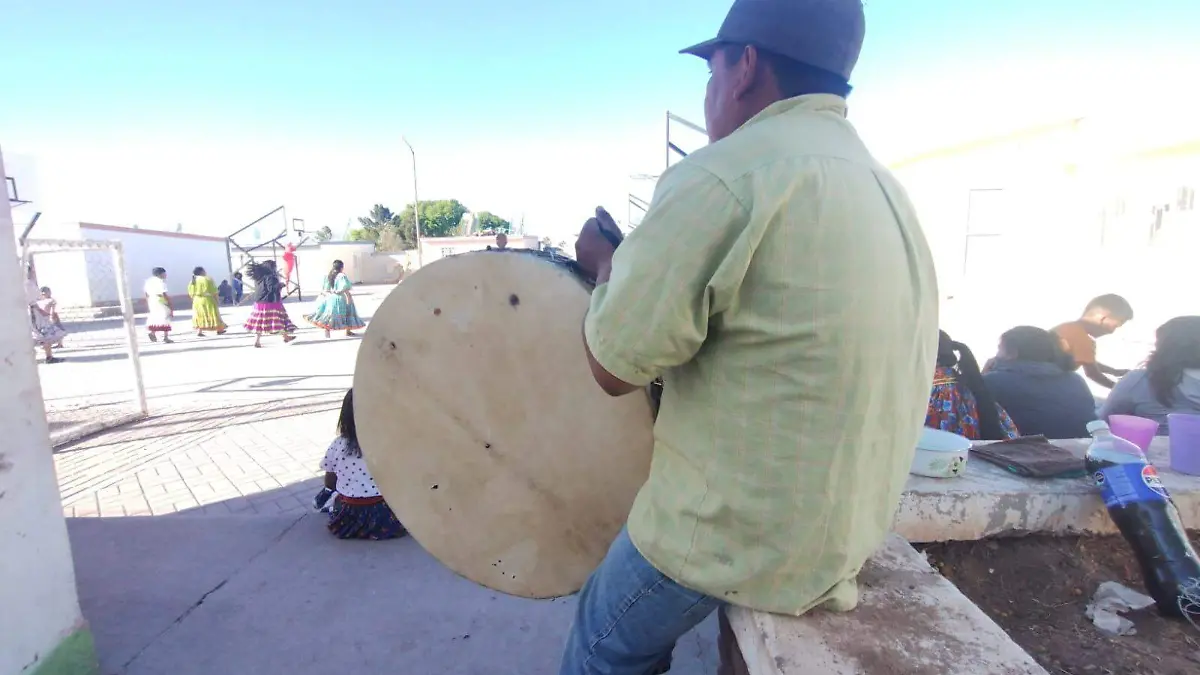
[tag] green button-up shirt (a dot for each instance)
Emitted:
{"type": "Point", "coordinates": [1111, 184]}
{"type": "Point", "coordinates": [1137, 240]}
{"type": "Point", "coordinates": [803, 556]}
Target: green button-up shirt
{"type": "Point", "coordinates": [782, 287]}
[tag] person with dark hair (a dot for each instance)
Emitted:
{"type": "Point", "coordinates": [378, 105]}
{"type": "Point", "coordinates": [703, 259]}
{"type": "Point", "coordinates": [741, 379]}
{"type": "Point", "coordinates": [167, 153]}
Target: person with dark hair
{"type": "Point", "coordinates": [48, 332]}
{"type": "Point", "coordinates": [1102, 316]}
{"type": "Point", "coordinates": [335, 310]}
{"type": "Point", "coordinates": [269, 317]}
{"type": "Point", "coordinates": [1169, 382]}
{"type": "Point", "coordinates": [225, 292]}
{"type": "Point", "coordinates": [782, 287]}
{"type": "Point", "coordinates": [356, 509]}
{"type": "Point", "coordinates": [1034, 380]}
{"type": "Point", "coordinates": [239, 288]}
{"type": "Point", "coordinates": [961, 402]}
{"type": "Point", "coordinates": [158, 304]}
{"type": "Point", "coordinates": [206, 315]}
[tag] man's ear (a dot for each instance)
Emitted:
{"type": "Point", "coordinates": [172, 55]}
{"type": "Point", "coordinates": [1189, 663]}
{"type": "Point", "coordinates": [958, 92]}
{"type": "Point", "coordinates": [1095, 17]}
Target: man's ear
{"type": "Point", "coordinates": [747, 75]}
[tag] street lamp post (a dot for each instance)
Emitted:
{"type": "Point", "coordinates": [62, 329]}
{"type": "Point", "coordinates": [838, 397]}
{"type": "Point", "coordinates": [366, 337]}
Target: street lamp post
{"type": "Point", "coordinates": [416, 203]}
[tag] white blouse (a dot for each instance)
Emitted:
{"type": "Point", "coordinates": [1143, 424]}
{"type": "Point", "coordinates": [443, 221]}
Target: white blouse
{"type": "Point", "coordinates": [155, 287]}
{"type": "Point", "coordinates": [353, 479]}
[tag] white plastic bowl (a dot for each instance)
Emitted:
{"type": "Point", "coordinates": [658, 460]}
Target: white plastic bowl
{"type": "Point", "coordinates": [940, 454]}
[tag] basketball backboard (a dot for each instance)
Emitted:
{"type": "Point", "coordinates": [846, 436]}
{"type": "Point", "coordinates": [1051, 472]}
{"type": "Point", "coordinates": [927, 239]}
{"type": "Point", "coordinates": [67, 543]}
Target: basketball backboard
{"type": "Point", "coordinates": [20, 183]}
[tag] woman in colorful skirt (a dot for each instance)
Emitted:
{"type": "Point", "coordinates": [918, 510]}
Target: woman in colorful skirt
{"type": "Point", "coordinates": [269, 316]}
{"type": "Point", "coordinates": [158, 303]}
{"type": "Point", "coordinates": [336, 310]}
{"type": "Point", "coordinates": [358, 511]}
{"type": "Point", "coordinates": [47, 329]}
{"type": "Point", "coordinates": [205, 313]}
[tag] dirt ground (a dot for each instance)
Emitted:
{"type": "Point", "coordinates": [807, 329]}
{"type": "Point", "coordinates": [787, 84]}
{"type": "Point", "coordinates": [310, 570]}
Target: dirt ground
{"type": "Point", "coordinates": [1037, 588]}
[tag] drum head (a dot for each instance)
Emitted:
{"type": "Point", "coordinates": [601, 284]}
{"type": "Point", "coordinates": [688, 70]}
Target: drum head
{"type": "Point", "coordinates": [484, 430]}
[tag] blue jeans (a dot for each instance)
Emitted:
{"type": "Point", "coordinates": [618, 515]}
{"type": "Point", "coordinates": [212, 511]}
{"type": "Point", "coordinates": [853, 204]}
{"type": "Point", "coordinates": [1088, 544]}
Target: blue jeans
{"type": "Point", "coordinates": [629, 616]}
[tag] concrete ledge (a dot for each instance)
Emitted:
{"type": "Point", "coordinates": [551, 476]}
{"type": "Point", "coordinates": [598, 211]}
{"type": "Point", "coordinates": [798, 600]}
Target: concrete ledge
{"type": "Point", "coordinates": [988, 501]}
{"type": "Point", "coordinates": [75, 432]}
{"type": "Point", "coordinates": [909, 620]}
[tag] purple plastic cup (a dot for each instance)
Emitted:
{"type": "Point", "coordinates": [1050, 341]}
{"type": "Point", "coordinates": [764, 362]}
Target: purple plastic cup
{"type": "Point", "coordinates": [1137, 430]}
{"type": "Point", "coordinates": [1185, 443]}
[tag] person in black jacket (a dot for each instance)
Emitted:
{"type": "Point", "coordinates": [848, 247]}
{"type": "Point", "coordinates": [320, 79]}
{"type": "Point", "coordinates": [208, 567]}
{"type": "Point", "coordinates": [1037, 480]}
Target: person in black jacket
{"type": "Point", "coordinates": [1034, 379]}
{"type": "Point", "coordinates": [269, 316]}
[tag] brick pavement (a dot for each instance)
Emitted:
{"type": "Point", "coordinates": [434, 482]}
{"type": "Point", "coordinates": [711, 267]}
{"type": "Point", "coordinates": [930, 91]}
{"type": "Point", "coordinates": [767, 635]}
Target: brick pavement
{"type": "Point", "coordinates": [232, 430]}
{"type": "Point", "coordinates": [246, 457]}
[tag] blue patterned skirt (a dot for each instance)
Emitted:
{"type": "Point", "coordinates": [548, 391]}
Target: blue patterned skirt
{"type": "Point", "coordinates": [366, 518]}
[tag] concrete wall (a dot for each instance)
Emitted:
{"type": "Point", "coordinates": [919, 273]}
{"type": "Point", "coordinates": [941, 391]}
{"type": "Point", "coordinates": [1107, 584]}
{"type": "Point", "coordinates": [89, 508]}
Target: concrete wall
{"type": "Point", "coordinates": [1070, 210]}
{"type": "Point", "coordinates": [436, 248]}
{"type": "Point", "coordinates": [362, 264]}
{"type": "Point", "coordinates": [88, 278]}
{"type": "Point", "coordinates": [178, 253]}
{"type": "Point", "coordinates": [37, 577]}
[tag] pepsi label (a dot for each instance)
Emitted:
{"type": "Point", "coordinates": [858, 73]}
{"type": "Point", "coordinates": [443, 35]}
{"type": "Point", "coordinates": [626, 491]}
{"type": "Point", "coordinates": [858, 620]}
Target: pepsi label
{"type": "Point", "coordinates": [1127, 484]}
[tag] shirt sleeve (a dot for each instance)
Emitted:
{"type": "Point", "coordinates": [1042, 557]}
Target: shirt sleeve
{"type": "Point", "coordinates": [679, 268]}
{"type": "Point", "coordinates": [329, 463]}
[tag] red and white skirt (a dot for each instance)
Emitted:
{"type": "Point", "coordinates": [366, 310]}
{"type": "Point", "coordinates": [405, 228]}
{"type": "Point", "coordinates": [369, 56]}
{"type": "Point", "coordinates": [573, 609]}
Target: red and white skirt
{"type": "Point", "coordinates": [269, 318]}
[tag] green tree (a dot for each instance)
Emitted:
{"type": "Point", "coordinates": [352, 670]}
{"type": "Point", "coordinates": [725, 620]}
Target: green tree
{"type": "Point", "coordinates": [324, 234]}
{"type": "Point", "coordinates": [439, 218]}
{"type": "Point", "coordinates": [381, 218]}
{"type": "Point", "coordinates": [490, 223]}
{"type": "Point", "coordinates": [359, 234]}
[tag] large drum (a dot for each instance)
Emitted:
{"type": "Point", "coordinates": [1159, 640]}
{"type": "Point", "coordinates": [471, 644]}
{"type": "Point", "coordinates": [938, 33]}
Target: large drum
{"type": "Point", "coordinates": [484, 430]}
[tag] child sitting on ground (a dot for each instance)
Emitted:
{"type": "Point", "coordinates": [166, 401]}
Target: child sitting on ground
{"type": "Point", "coordinates": [358, 511]}
{"type": "Point", "coordinates": [1102, 316]}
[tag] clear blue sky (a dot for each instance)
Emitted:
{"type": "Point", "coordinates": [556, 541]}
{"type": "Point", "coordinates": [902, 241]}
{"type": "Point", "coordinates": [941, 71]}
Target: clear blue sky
{"type": "Point", "coordinates": [210, 113]}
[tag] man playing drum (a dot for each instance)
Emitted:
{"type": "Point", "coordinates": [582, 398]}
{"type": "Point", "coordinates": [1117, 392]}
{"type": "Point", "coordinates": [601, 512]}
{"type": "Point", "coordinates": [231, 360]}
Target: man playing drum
{"type": "Point", "coordinates": [782, 287]}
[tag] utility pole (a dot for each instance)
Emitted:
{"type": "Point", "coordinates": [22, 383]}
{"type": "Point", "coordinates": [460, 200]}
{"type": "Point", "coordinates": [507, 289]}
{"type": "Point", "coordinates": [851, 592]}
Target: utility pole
{"type": "Point", "coordinates": [416, 203]}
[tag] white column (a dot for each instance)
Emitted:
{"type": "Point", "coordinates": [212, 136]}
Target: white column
{"type": "Point", "coordinates": [37, 578]}
{"type": "Point", "coordinates": [131, 343]}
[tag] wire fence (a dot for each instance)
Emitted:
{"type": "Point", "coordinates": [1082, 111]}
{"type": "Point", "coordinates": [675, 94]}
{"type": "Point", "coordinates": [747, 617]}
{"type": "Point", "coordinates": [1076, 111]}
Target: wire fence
{"type": "Point", "coordinates": [81, 316]}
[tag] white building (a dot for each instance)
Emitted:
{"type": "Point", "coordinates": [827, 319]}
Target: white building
{"type": "Point", "coordinates": [436, 248]}
{"type": "Point", "coordinates": [1028, 226]}
{"type": "Point", "coordinates": [88, 279]}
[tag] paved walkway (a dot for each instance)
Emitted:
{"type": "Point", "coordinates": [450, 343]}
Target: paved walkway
{"type": "Point", "coordinates": [233, 429]}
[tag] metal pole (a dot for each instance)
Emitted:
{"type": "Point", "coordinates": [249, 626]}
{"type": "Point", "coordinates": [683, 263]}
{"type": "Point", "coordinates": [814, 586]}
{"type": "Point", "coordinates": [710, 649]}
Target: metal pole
{"type": "Point", "coordinates": [416, 203]}
{"type": "Point", "coordinates": [139, 387]}
{"type": "Point", "coordinates": [668, 139]}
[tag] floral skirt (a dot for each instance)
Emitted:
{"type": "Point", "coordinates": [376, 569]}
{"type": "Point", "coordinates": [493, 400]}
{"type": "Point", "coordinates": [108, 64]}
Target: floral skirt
{"type": "Point", "coordinates": [335, 313]}
{"type": "Point", "coordinates": [369, 518]}
{"type": "Point", "coordinates": [159, 317]}
{"type": "Point", "coordinates": [46, 332]}
{"type": "Point", "coordinates": [269, 318]}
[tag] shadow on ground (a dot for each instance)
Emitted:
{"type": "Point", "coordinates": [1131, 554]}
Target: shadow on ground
{"type": "Point", "coordinates": [276, 594]}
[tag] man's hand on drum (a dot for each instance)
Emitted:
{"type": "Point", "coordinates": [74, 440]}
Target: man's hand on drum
{"type": "Point", "coordinates": [596, 244]}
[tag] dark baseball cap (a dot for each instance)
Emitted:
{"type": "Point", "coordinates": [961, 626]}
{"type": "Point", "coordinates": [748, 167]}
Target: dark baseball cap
{"type": "Point", "coordinates": [825, 34]}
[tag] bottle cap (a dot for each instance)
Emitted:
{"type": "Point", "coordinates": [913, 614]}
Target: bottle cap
{"type": "Point", "coordinates": [1097, 425]}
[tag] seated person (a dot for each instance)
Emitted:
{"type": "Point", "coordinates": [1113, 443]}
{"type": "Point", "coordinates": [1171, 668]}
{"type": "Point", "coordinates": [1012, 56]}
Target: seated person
{"type": "Point", "coordinates": [357, 511]}
{"type": "Point", "coordinates": [961, 402]}
{"type": "Point", "coordinates": [1102, 316]}
{"type": "Point", "coordinates": [1035, 381]}
{"type": "Point", "coordinates": [225, 292]}
{"type": "Point", "coordinates": [1170, 381]}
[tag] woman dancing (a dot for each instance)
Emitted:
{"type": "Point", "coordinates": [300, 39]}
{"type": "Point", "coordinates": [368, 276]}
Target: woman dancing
{"type": "Point", "coordinates": [336, 309]}
{"type": "Point", "coordinates": [205, 313]}
{"type": "Point", "coordinates": [158, 303]}
{"type": "Point", "coordinates": [269, 316]}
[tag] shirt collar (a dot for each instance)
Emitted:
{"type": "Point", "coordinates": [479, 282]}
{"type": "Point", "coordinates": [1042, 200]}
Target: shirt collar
{"type": "Point", "coordinates": [806, 103]}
